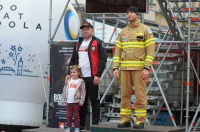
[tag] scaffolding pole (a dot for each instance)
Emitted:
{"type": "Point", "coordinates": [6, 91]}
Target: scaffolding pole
{"type": "Point", "coordinates": [49, 46]}
{"type": "Point", "coordinates": [188, 70]}
{"type": "Point", "coordinates": [182, 89]}
{"type": "Point", "coordinates": [197, 124]}
{"type": "Point", "coordinates": [163, 96]}
{"type": "Point", "coordinates": [194, 118]}
{"type": "Point", "coordinates": [198, 57]}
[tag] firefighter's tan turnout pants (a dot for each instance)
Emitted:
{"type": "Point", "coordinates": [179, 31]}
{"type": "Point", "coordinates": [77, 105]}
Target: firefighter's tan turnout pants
{"type": "Point", "coordinates": [127, 79]}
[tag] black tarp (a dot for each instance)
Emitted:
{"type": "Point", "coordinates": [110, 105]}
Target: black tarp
{"type": "Point", "coordinates": [60, 54]}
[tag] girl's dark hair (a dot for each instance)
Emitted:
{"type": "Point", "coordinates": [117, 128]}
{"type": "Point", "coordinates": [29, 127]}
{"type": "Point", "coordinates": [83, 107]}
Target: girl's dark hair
{"type": "Point", "coordinates": [78, 69]}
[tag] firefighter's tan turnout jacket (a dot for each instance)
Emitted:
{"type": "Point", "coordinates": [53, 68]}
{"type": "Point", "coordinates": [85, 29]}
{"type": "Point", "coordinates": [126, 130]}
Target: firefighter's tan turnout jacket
{"type": "Point", "coordinates": [135, 48]}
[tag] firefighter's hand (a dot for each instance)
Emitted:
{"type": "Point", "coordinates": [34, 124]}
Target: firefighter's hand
{"type": "Point", "coordinates": [66, 79]}
{"type": "Point", "coordinates": [116, 73]}
{"type": "Point", "coordinates": [145, 74]}
{"type": "Point", "coordinates": [96, 80]}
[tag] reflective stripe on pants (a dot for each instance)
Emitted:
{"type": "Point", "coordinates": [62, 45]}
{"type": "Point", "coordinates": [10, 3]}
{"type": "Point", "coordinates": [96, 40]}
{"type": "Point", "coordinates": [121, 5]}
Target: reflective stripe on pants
{"type": "Point", "coordinates": [128, 78]}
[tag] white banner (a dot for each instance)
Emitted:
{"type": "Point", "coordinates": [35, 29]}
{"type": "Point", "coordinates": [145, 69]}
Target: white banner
{"type": "Point", "coordinates": [24, 56]}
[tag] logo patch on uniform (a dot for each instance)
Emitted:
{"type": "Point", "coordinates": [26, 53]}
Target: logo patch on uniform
{"type": "Point", "coordinates": [93, 48]}
{"type": "Point", "coordinates": [149, 31]}
{"type": "Point", "coordinates": [124, 39]}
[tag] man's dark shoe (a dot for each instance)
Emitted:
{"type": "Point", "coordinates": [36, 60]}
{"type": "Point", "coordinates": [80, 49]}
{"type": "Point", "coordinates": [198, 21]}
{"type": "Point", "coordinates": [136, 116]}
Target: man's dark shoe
{"type": "Point", "coordinates": [82, 129]}
{"type": "Point", "coordinates": [95, 123]}
{"type": "Point", "coordinates": [138, 126]}
{"type": "Point", "coordinates": [124, 124]}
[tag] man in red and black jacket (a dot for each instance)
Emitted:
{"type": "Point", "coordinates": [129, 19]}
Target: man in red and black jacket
{"type": "Point", "coordinates": [91, 56]}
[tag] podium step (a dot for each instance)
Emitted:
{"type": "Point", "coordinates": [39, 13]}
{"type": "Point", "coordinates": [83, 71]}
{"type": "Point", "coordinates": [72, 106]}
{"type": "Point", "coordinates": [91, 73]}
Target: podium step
{"type": "Point", "coordinates": [112, 127]}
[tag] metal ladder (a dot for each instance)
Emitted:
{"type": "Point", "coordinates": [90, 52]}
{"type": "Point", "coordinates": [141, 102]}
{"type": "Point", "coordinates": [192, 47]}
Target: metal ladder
{"type": "Point", "coordinates": [165, 76]}
{"type": "Point", "coordinates": [197, 126]}
{"type": "Point", "coordinates": [185, 26]}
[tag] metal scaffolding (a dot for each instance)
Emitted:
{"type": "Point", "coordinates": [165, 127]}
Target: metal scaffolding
{"type": "Point", "coordinates": [182, 35]}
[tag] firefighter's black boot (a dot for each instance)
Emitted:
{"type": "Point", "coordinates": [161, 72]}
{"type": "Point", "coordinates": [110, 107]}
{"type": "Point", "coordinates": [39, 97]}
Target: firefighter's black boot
{"type": "Point", "coordinates": [124, 124]}
{"type": "Point", "coordinates": [138, 125]}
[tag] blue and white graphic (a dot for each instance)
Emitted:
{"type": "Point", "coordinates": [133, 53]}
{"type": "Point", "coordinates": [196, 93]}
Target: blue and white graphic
{"type": "Point", "coordinates": [71, 23]}
{"type": "Point", "coordinates": [18, 65]}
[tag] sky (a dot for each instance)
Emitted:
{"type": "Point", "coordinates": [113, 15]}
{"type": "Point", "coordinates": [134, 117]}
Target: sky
{"type": "Point", "coordinates": [80, 1]}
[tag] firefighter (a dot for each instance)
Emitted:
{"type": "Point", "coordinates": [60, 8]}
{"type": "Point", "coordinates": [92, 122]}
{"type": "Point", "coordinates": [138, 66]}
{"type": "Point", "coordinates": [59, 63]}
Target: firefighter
{"type": "Point", "coordinates": [134, 55]}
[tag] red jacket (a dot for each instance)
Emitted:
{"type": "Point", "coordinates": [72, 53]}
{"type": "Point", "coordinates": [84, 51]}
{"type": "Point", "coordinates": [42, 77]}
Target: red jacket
{"type": "Point", "coordinates": [96, 53]}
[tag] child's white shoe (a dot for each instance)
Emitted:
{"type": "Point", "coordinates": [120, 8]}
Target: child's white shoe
{"type": "Point", "coordinates": [67, 130]}
{"type": "Point", "coordinates": [77, 130]}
